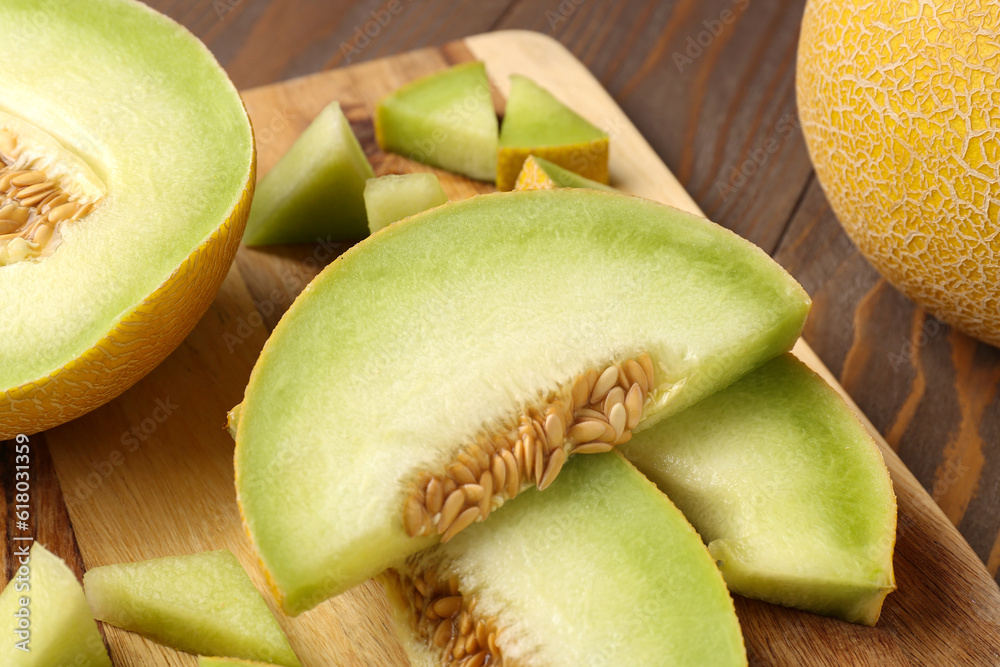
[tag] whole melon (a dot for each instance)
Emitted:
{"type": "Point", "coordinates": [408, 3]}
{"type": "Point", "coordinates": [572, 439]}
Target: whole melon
{"type": "Point", "coordinates": [900, 107]}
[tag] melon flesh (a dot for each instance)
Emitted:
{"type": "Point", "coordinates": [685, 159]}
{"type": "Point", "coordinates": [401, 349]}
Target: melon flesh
{"type": "Point", "coordinates": [202, 603]}
{"type": "Point", "coordinates": [540, 174]}
{"type": "Point", "coordinates": [316, 191]}
{"type": "Point", "coordinates": [445, 119]}
{"type": "Point", "coordinates": [600, 566]}
{"type": "Point", "coordinates": [60, 629]}
{"type": "Point", "coordinates": [786, 487]}
{"type": "Point", "coordinates": [446, 325]}
{"type": "Point", "coordinates": [396, 196]}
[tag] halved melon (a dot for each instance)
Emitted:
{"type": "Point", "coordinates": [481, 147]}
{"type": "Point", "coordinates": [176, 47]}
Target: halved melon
{"type": "Point", "coordinates": [201, 603]}
{"type": "Point", "coordinates": [126, 177]}
{"type": "Point", "coordinates": [458, 356]}
{"type": "Point", "coordinates": [44, 616]}
{"type": "Point", "coordinates": [396, 196]}
{"type": "Point", "coordinates": [599, 569]}
{"type": "Point", "coordinates": [539, 174]}
{"type": "Point", "coordinates": [786, 487]}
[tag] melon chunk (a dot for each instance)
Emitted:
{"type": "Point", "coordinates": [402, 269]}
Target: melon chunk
{"type": "Point", "coordinates": [600, 566]}
{"type": "Point", "coordinates": [201, 603]}
{"type": "Point", "coordinates": [540, 174]}
{"type": "Point", "coordinates": [416, 363]}
{"type": "Point", "coordinates": [445, 119]}
{"type": "Point", "coordinates": [536, 123]}
{"type": "Point", "coordinates": [316, 191]}
{"type": "Point", "coordinates": [786, 487]}
{"type": "Point", "coordinates": [396, 196]}
{"type": "Point", "coordinates": [45, 618]}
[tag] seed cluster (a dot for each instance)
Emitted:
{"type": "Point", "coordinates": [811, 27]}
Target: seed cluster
{"type": "Point", "coordinates": [447, 620]}
{"type": "Point", "coordinates": [592, 414]}
{"type": "Point", "coordinates": [31, 206]}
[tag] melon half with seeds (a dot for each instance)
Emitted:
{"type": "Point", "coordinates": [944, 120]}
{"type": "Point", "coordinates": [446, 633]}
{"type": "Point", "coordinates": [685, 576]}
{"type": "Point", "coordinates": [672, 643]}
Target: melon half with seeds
{"type": "Point", "coordinates": [126, 172]}
{"type": "Point", "coordinates": [442, 366]}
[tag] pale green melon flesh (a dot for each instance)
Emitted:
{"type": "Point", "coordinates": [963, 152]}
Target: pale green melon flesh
{"type": "Point", "coordinates": [203, 603]}
{"type": "Point", "coordinates": [534, 117]}
{"type": "Point", "coordinates": [445, 119]}
{"type": "Point", "coordinates": [229, 662]}
{"type": "Point", "coordinates": [786, 487]}
{"type": "Point", "coordinates": [159, 123]}
{"type": "Point", "coordinates": [600, 566]}
{"type": "Point", "coordinates": [317, 189]}
{"type": "Point", "coordinates": [60, 629]}
{"type": "Point", "coordinates": [394, 197]}
{"type": "Point", "coordinates": [403, 349]}
{"type": "Point", "coordinates": [564, 178]}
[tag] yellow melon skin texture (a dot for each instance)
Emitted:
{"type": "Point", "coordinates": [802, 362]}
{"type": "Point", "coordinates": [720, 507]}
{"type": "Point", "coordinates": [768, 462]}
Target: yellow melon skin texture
{"type": "Point", "coordinates": [900, 107]}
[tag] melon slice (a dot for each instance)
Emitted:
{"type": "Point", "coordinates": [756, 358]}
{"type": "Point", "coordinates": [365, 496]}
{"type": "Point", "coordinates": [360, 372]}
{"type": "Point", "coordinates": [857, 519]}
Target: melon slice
{"type": "Point", "coordinates": [316, 191]}
{"type": "Point", "coordinates": [445, 119]}
{"type": "Point", "coordinates": [458, 356]}
{"type": "Point", "coordinates": [786, 487]}
{"type": "Point", "coordinates": [126, 172]}
{"type": "Point", "coordinates": [394, 197]}
{"type": "Point", "coordinates": [536, 123]}
{"type": "Point", "coordinates": [540, 174]}
{"type": "Point", "coordinates": [599, 567]}
{"type": "Point", "coordinates": [45, 618]}
{"type": "Point", "coordinates": [230, 662]}
{"type": "Point", "coordinates": [201, 603]}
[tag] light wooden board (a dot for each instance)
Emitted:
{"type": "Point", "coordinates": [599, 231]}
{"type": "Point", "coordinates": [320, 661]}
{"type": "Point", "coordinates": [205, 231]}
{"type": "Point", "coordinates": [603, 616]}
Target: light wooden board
{"type": "Point", "coordinates": [151, 474]}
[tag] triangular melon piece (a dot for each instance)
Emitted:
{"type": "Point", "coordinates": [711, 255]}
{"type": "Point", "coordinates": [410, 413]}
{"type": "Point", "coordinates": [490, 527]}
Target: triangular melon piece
{"type": "Point", "coordinates": [316, 190]}
{"type": "Point", "coordinates": [786, 487]}
{"type": "Point", "coordinates": [540, 174]}
{"type": "Point", "coordinates": [202, 603]}
{"type": "Point", "coordinates": [396, 196]}
{"type": "Point", "coordinates": [599, 566]}
{"type": "Point", "coordinates": [204, 661]}
{"type": "Point", "coordinates": [45, 617]}
{"type": "Point", "coordinates": [476, 345]}
{"type": "Point", "coordinates": [445, 119]}
{"type": "Point", "coordinates": [536, 123]}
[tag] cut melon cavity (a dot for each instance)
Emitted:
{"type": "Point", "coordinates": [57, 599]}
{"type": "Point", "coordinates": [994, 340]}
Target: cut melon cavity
{"type": "Point", "coordinates": [599, 569]}
{"type": "Point", "coordinates": [45, 618]}
{"type": "Point", "coordinates": [396, 196]}
{"type": "Point", "coordinates": [440, 367]}
{"type": "Point", "coordinates": [202, 603]}
{"type": "Point", "coordinates": [445, 120]}
{"type": "Point", "coordinates": [786, 487]}
{"type": "Point", "coordinates": [540, 174]}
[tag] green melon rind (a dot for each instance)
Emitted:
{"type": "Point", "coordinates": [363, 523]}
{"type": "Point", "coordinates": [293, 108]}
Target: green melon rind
{"type": "Point", "coordinates": [564, 178]}
{"type": "Point", "coordinates": [60, 626]}
{"type": "Point", "coordinates": [787, 488]}
{"type": "Point", "coordinates": [534, 117]}
{"type": "Point", "coordinates": [316, 190]}
{"type": "Point", "coordinates": [445, 119]}
{"type": "Point", "coordinates": [454, 318]}
{"type": "Point", "coordinates": [391, 198]}
{"type": "Point", "coordinates": [600, 566]}
{"type": "Point", "coordinates": [201, 603]}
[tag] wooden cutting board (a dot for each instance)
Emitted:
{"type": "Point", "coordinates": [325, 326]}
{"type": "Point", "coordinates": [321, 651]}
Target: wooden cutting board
{"type": "Point", "coordinates": [151, 474]}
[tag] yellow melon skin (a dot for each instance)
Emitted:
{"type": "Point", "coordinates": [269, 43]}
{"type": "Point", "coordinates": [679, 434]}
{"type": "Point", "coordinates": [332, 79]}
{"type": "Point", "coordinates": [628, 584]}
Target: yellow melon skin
{"type": "Point", "coordinates": [900, 107]}
{"type": "Point", "coordinates": [137, 342]}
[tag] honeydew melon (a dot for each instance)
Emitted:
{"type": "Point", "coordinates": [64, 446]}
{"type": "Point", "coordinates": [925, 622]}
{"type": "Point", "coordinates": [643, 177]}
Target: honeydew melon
{"type": "Point", "coordinates": [536, 123]}
{"type": "Point", "coordinates": [396, 196]}
{"type": "Point", "coordinates": [147, 143]}
{"type": "Point", "coordinates": [201, 603]}
{"type": "Point", "coordinates": [316, 190]}
{"type": "Point", "coordinates": [449, 337]}
{"type": "Point", "coordinates": [786, 487]}
{"type": "Point", "coordinates": [445, 119]}
{"type": "Point", "coordinates": [540, 174]}
{"type": "Point", "coordinates": [600, 568]}
{"type": "Point", "coordinates": [45, 618]}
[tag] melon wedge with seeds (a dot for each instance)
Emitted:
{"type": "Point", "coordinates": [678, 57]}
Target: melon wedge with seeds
{"type": "Point", "coordinates": [786, 487]}
{"type": "Point", "coordinates": [201, 603]}
{"type": "Point", "coordinates": [126, 173]}
{"type": "Point", "coordinates": [536, 123]}
{"type": "Point", "coordinates": [417, 361]}
{"type": "Point", "coordinates": [316, 190]}
{"type": "Point", "coordinates": [540, 174]}
{"type": "Point", "coordinates": [599, 569]}
{"type": "Point", "coordinates": [445, 119]}
{"type": "Point", "coordinates": [396, 196]}
{"type": "Point", "coordinates": [204, 661]}
{"type": "Point", "coordinates": [44, 611]}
